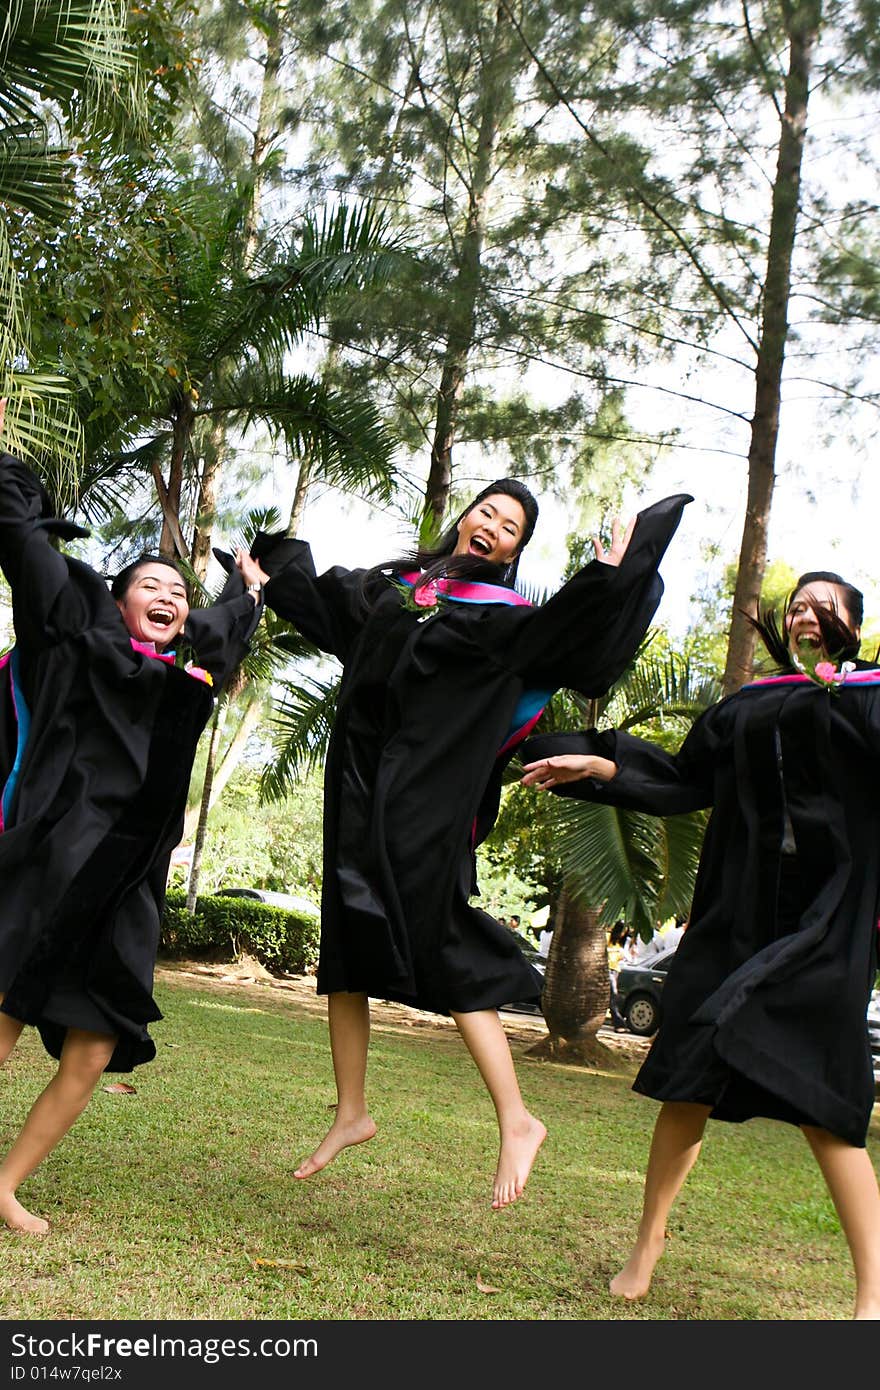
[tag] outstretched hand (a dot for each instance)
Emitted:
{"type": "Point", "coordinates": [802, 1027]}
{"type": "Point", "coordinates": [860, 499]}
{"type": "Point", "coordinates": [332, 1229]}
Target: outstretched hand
{"type": "Point", "coordinates": [567, 767]}
{"type": "Point", "coordinates": [2, 412]}
{"type": "Point", "coordinates": [250, 569]}
{"type": "Point", "coordinates": [619, 542]}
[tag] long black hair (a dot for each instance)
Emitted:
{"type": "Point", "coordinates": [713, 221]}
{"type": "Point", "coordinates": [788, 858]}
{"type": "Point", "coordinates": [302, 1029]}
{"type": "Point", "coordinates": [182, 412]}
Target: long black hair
{"type": "Point", "coordinates": [839, 634]}
{"type": "Point", "coordinates": [439, 561]}
{"type": "Point", "coordinates": [123, 581]}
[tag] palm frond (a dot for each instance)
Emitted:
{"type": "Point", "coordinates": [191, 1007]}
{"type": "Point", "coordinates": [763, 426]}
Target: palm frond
{"type": "Point", "coordinates": [42, 427]}
{"type": "Point", "coordinates": [108, 494]}
{"type": "Point", "coordinates": [349, 247]}
{"type": "Point", "coordinates": [290, 287]}
{"type": "Point", "coordinates": [342, 435]}
{"type": "Point", "coordinates": [257, 519]}
{"type": "Point", "coordinates": [33, 177]}
{"type": "Point", "coordinates": [630, 865]}
{"type": "Point", "coordinates": [684, 842]}
{"type": "Point", "coordinates": [660, 687]}
{"type": "Point", "coordinates": [301, 728]}
{"type": "Point", "coordinates": [274, 646]}
{"type": "Point", "coordinates": [612, 859]}
{"type": "Point", "coordinates": [61, 53]}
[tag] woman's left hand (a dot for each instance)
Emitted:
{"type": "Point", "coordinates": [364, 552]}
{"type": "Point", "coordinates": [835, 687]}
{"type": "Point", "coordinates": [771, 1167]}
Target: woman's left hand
{"type": "Point", "coordinates": [567, 767]}
{"type": "Point", "coordinates": [619, 542]}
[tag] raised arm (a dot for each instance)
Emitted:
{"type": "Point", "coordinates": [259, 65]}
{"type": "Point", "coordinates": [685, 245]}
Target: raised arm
{"type": "Point", "coordinates": [588, 633]}
{"type": "Point", "coordinates": [328, 609]}
{"type": "Point", "coordinates": [220, 634]}
{"type": "Point", "coordinates": [46, 604]}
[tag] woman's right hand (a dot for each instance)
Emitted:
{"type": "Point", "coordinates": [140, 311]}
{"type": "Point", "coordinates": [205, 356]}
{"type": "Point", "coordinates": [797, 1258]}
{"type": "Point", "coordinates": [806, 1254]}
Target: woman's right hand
{"type": "Point", "coordinates": [251, 570]}
{"type": "Point", "coordinates": [567, 767]}
{"type": "Point", "coordinates": [619, 542]}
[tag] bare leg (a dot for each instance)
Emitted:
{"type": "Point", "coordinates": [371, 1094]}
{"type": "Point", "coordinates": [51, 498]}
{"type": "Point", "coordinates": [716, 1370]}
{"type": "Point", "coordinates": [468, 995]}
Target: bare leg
{"type": "Point", "coordinates": [349, 1017]}
{"type": "Point", "coordinates": [10, 1032]}
{"type": "Point", "coordinates": [852, 1182]}
{"type": "Point", "coordinates": [521, 1134]}
{"type": "Point", "coordinates": [83, 1058]}
{"type": "Point", "coordinates": [675, 1146]}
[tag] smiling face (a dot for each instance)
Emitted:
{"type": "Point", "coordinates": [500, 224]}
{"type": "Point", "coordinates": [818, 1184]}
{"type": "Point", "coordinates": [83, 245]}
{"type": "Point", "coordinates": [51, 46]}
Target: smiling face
{"type": "Point", "coordinates": [801, 623]}
{"type": "Point", "coordinates": [492, 530]}
{"type": "Point", "coordinates": [154, 607]}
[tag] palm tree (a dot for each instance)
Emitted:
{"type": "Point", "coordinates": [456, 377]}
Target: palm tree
{"type": "Point", "coordinates": [227, 332]}
{"type": "Point", "coordinates": [59, 59]}
{"type": "Point", "coordinates": [612, 864]}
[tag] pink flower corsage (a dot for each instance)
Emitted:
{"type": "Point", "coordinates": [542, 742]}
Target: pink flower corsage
{"type": "Point", "coordinates": [426, 595]}
{"type": "Point", "coordinates": [199, 673]}
{"type": "Point", "coordinates": [825, 673]}
{"type": "Point", "coordinates": [424, 599]}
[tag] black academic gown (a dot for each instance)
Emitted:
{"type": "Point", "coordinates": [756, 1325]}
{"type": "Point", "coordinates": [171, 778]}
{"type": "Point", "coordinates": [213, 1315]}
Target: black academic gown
{"type": "Point", "coordinates": [428, 713]}
{"type": "Point", "coordinates": [764, 1004]}
{"type": "Point", "coordinates": [97, 744]}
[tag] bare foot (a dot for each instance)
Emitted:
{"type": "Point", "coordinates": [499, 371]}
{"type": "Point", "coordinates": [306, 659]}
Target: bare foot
{"type": "Point", "coordinates": [634, 1279]}
{"type": "Point", "coordinates": [18, 1219]}
{"type": "Point", "coordinates": [341, 1135]}
{"type": "Point", "coordinates": [519, 1149]}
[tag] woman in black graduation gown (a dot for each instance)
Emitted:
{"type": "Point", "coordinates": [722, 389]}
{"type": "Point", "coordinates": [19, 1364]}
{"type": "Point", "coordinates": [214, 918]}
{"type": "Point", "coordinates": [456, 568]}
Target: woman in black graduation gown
{"type": "Point", "coordinates": [98, 731]}
{"type": "Point", "coordinates": [764, 1006]}
{"type": "Point", "coordinates": [445, 669]}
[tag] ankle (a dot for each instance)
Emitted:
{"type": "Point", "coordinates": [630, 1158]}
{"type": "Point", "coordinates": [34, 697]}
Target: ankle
{"type": "Point", "coordinates": [650, 1236]}
{"type": "Point", "coordinates": [353, 1114]}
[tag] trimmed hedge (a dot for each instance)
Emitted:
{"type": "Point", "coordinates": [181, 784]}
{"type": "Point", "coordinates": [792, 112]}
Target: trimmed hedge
{"type": "Point", "coordinates": [278, 939]}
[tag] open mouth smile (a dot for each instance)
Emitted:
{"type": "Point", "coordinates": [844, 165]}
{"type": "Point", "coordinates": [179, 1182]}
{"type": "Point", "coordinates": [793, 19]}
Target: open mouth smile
{"type": "Point", "coordinates": [160, 617]}
{"type": "Point", "coordinates": [480, 546]}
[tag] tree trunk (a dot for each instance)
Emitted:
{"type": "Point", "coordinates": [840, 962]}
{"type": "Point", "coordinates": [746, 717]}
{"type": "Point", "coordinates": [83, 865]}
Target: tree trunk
{"type": "Point", "coordinates": [266, 132]}
{"type": "Point", "coordinates": [300, 492]}
{"type": "Point", "coordinates": [192, 889]}
{"type": "Point", "coordinates": [464, 292]}
{"type": "Point", "coordinates": [206, 510]}
{"type": "Point", "coordinates": [576, 988]}
{"type": "Point", "coordinates": [264, 138]}
{"type": "Point", "coordinates": [802, 23]}
{"type": "Point", "coordinates": [225, 768]}
{"type": "Point", "coordinates": [171, 541]}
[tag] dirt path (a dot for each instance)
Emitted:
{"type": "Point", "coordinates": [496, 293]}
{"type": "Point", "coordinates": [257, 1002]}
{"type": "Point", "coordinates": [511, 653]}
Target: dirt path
{"type": "Point", "coordinates": [249, 977]}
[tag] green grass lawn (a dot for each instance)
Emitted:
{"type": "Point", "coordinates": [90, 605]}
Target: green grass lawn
{"type": "Point", "coordinates": [164, 1204]}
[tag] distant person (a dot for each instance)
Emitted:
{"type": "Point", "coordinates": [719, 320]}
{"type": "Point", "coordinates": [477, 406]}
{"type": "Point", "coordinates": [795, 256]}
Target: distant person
{"type": "Point", "coordinates": [619, 940]}
{"type": "Point", "coordinates": [645, 951]}
{"type": "Point", "coordinates": [764, 1007]}
{"type": "Point", "coordinates": [445, 666]}
{"type": "Point", "coordinates": [545, 940]}
{"type": "Point", "coordinates": [672, 935]}
{"type": "Point", "coordinates": [514, 923]}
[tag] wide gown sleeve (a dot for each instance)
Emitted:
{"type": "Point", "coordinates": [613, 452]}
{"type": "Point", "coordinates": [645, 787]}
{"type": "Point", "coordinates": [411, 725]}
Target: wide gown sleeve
{"type": "Point", "coordinates": [46, 604]}
{"type": "Point", "coordinates": [648, 778]}
{"type": "Point", "coordinates": [589, 632]}
{"type": "Point", "coordinates": [328, 609]}
{"type": "Point", "coordinates": [220, 634]}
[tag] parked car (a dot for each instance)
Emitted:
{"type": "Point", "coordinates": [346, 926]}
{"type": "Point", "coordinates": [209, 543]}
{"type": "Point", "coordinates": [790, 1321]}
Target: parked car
{"type": "Point", "coordinates": [289, 901]}
{"type": "Point", "coordinates": [534, 957]}
{"type": "Point", "coordinates": [639, 992]}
